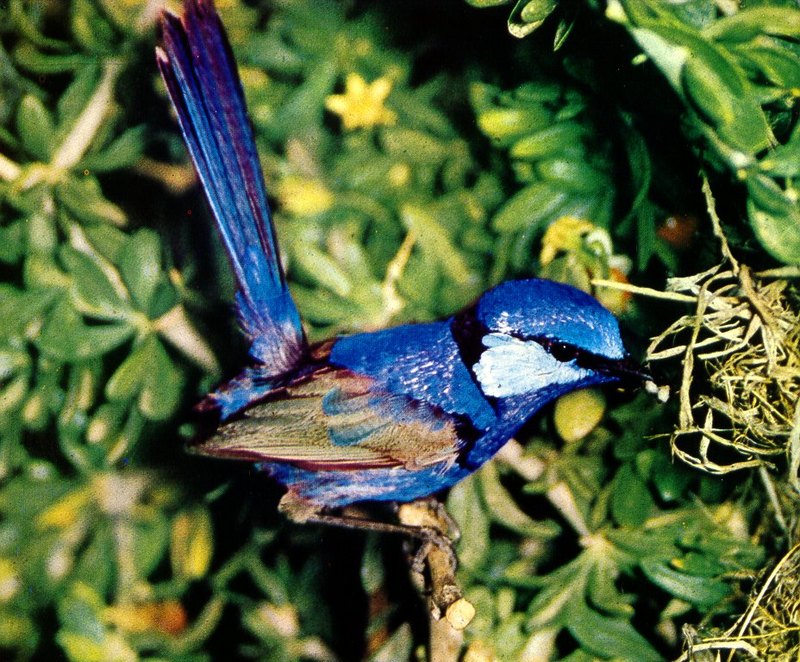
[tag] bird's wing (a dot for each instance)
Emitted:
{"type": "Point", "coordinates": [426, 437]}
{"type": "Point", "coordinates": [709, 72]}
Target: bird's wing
{"type": "Point", "coordinates": [336, 420]}
{"type": "Point", "coordinates": [200, 74]}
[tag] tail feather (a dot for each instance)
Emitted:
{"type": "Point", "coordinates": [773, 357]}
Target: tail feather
{"type": "Point", "coordinates": [199, 71]}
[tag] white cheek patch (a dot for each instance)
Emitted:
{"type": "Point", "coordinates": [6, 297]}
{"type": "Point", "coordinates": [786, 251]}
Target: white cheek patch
{"type": "Point", "coordinates": [509, 366]}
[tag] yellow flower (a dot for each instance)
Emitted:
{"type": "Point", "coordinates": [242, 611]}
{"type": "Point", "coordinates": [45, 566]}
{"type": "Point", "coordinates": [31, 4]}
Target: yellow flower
{"type": "Point", "coordinates": [564, 234]}
{"type": "Point", "coordinates": [304, 197]}
{"type": "Point", "coordinates": [362, 104]}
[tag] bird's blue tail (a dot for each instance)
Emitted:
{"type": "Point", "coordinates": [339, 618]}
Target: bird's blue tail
{"type": "Point", "coordinates": [200, 74]}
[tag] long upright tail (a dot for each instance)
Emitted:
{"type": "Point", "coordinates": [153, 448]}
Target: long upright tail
{"type": "Point", "coordinates": [198, 68]}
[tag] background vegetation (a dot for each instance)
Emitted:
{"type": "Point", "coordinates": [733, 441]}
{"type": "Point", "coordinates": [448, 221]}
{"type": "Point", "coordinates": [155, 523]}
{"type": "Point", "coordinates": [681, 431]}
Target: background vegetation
{"type": "Point", "coordinates": [417, 153]}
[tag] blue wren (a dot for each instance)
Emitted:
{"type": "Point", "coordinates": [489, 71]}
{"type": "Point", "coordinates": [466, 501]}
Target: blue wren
{"type": "Point", "coordinates": [391, 415]}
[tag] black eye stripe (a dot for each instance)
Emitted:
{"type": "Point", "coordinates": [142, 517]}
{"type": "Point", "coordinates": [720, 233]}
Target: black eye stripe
{"type": "Point", "coordinates": [562, 351]}
{"type": "Point", "coordinates": [559, 350]}
{"type": "Point", "coordinates": [566, 352]}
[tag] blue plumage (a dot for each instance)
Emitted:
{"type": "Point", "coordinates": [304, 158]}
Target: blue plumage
{"type": "Point", "coordinates": [200, 74]}
{"type": "Point", "coordinates": [392, 415]}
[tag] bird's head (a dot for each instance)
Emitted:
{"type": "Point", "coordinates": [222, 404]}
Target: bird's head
{"type": "Point", "coordinates": [538, 334]}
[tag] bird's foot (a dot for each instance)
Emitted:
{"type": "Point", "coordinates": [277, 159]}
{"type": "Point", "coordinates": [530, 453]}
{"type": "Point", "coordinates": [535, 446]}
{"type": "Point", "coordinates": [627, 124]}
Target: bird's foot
{"type": "Point", "coordinates": [425, 520]}
{"type": "Point", "coordinates": [435, 526]}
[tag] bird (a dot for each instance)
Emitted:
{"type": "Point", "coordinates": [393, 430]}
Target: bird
{"type": "Point", "coordinates": [392, 415]}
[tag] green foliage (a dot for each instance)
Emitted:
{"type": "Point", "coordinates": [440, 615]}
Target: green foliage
{"type": "Point", "coordinates": [401, 191]}
{"type": "Point", "coordinates": [635, 523]}
{"type": "Point", "coordinates": [737, 76]}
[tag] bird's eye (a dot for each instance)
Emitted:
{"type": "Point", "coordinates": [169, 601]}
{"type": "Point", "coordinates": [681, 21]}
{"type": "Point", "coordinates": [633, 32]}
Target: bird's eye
{"type": "Point", "coordinates": [563, 352]}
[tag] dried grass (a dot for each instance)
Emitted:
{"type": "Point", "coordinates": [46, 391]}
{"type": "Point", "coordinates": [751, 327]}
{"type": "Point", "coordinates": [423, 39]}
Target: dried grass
{"type": "Point", "coordinates": [740, 377]}
{"type": "Point", "coordinates": [770, 627]}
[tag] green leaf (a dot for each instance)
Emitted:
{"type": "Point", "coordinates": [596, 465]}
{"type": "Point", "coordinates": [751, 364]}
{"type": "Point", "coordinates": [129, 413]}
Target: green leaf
{"type": "Point", "coordinates": [320, 268]}
{"type": "Point", "coordinates": [35, 128]}
{"type": "Point", "coordinates": [665, 55]}
{"type": "Point", "coordinates": [93, 291]}
{"type": "Point", "coordinates": [96, 564]}
{"type": "Point", "coordinates": [18, 308]}
{"type": "Point", "coordinates": [784, 160]}
{"type": "Point", "coordinates": [90, 27]}
{"type": "Point", "coordinates": [466, 505]}
{"type": "Point", "coordinates": [149, 374]}
{"type": "Point", "coordinates": [774, 61]}
{"type": "Point", "coordinates": [528, 15]}
{"type": "Point", "coordinates": [670, 478]}
{"type": "Point", "coordinates": [549, 141]}
{"type": "Point", "coordinates": [487, 3]}
{"type": "Point", "coordinates": [303, 108]}
{"type": "Point", "coordinates": [151, 537]}
{"type": "Point", "coordinates": [775, 219]}
{"type": "Point", "coordinates": [128, 378]}
{"type": "Point", "coordinates": [322, 307]}
{"type": "Point", "coordinates": [80, 648]}
{"type": "Point", "coordinates": [504, 125]}
{"type": "Point", "coordinates": [163, 386]}
{"type": "Point", "coordinates": [505, 512]}
{"type": "Point", "coordinates": [709, 78]}
{"type": "Point", "coordinates": [530, 208]}
{"type": "Point", "coordinates": [631, 503]}
{"type": "Point", "coordinates": [123, 152]}
{"type": "Point", "coordinates": [436, 243]}
{"type": "Point", "coordinates": [12, 242]}
{"type": "Point", "coordinates": [608, 637]}
{"type": "Point", "coordinates": [752, 22]}
{"type": "Point", "coordinates": [107, 240]}
{"type": "Point", "coordinates": [79, 611]}
{"type": "Point", "coordinates": [720, 92]}
{"type": "Point", "coordinates": [32, 59]}
{"type": "Point", "coordinates": [700, 565]}
{"type": "Point", "coordinates": [701, 591]}
{"type": "Point", "coordinates": [81, 195]}
{"type": "Point", "coordinates": [413, 146]}
{"type": "Point", "coordinates": [75, 98]}
{"type": "Point", "coordinates": [139, 263]}
{"type": "Point", "coordinates": [561, 587]}
{"type": "Point", "coordinates": [573, 175]}
{"type": "Point", "coordinates": [65, 337]}
{"type": "Point", "coordinates": [603, 592]}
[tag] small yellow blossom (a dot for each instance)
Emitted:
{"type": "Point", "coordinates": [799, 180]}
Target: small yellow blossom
{"type": "Point", "coordinates": [590, 255]}
{"type": "Point", "coordinates": [564, 234]}
{"type": "Point", "coordinates": [362, 104]}
{"type": "Point", "coordinates": [304, 197]}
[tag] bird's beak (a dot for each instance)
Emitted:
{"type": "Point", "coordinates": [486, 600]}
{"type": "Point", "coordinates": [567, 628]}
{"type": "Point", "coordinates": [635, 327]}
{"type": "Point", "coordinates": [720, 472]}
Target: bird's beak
{"type": "Point", "coordinates": [626, 370]}
{"type": "Point", "coordinates": [631, 374]}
